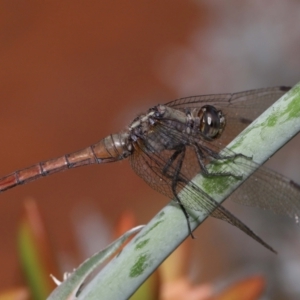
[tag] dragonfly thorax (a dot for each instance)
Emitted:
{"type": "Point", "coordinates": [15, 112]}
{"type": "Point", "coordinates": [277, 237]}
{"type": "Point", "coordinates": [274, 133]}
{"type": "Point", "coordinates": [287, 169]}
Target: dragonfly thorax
{"type": "Point", "coordinates": [206, 122]}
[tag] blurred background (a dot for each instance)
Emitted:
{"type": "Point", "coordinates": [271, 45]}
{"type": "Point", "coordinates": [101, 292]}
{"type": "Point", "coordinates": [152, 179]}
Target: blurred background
{"type": "Point", "coordinates": [72, 72]}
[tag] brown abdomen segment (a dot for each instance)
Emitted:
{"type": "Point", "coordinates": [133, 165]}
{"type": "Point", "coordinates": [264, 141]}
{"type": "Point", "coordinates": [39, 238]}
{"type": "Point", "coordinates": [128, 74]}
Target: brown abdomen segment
{"type": "Point", "coordinates": [107, 150]}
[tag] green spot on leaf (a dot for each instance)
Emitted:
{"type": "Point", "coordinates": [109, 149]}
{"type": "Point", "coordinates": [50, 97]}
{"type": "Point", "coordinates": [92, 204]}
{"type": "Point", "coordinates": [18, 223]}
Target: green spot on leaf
{"type": "Point", "coordinates": [217, 185]}
{"type": "Point", "coordinates": [141, 244]}
{"type": "Point", "coordinates": [272, 121]}
{"type": "Point", "coordinates": [140, 265]}
{"type": "Point", "coordinates": [293, 109]}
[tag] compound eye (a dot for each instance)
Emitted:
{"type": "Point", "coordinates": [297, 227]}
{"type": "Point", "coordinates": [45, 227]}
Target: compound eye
{"type": "Point", "coordinates": [212, 122]}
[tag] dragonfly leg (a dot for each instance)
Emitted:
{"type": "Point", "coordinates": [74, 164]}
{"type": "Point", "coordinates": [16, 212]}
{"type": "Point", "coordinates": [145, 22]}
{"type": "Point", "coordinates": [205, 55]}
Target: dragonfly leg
{"type": "Point", "coordinates": [171, 160]}
{"type": "Point", "coordinates": [217, 155]}
{"type": "Point", "coordinates": [175, 179]}
{"type": "Point", "coordinates": [205, 172]}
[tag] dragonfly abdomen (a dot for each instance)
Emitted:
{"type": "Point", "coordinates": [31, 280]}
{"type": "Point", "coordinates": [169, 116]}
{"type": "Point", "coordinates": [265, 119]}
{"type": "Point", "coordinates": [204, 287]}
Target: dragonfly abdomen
{"type": "Point", "coordinates": [46, 168]}
{"type": "Point", "coordinates": [109, 149]}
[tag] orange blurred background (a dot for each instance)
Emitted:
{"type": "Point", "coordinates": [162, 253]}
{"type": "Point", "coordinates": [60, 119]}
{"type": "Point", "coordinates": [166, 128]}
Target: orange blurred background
{"type": "Point", "coordinates": [72, 72]}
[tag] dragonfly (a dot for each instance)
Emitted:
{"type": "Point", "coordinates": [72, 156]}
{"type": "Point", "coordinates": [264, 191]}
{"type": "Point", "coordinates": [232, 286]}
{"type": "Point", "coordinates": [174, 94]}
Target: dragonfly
{"type": "Point", "coordinates": [171, 143]}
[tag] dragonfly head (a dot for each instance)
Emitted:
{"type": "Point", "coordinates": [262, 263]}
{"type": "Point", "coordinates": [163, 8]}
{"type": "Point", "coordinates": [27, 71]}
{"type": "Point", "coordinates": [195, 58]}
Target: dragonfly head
{"type": "Point", "coordinates": [212, 122]}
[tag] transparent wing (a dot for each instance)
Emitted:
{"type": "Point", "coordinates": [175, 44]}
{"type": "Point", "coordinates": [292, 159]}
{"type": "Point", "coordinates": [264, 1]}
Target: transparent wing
{"type": "Point", "coordinates": [150, 166]}
{"type": "Point", "coordinates": [264, 189]}
{"type": "Point", "coordinates": [270, 191]}
{"type": "Point", "coordinates": [240, 109]}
